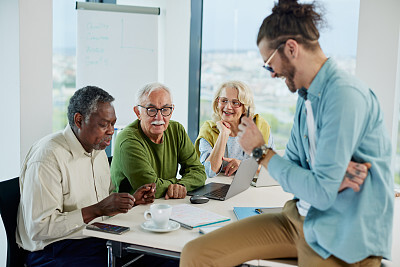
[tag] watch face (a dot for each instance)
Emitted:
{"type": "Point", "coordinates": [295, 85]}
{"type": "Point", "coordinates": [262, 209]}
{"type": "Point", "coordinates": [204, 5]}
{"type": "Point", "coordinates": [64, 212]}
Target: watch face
{"type": "Point", "coordinates": [257, 152]}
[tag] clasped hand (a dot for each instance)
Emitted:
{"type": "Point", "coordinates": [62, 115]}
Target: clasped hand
{"type": "Point", "coordinates": [175, 191]}
{"type": "Point", "coordinates": [123, 202]}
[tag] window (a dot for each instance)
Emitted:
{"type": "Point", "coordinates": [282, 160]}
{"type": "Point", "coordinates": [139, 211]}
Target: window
{"type": "Point", "coordinates": [229, 52]}
{"type": "Point", "coordinates": [64, 59]}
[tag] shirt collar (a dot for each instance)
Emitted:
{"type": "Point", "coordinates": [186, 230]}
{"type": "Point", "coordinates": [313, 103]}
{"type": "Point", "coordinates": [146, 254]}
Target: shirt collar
{"type": "Point", "coordinates": [75, 146]}
{"type": "Point", "coordinates": [320, 80]}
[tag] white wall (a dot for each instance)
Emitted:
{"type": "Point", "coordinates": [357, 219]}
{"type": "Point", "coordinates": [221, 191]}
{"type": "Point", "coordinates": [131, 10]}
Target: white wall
{"type": "Point", "coordinates": [9, 77]}
{"type": "Point", "coordinates": [36, 71]}
{"type": "Point", "coordinates": [378, 56]}
{"type": "Point", "coordinates": [174, 43]}
{"type": "Point", "coordinates": [26, 81]}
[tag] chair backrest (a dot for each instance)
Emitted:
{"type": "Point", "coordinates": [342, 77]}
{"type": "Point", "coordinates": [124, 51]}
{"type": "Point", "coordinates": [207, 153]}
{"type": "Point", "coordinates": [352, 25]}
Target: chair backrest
{"type": "Point", "coordinates": [9, 201]}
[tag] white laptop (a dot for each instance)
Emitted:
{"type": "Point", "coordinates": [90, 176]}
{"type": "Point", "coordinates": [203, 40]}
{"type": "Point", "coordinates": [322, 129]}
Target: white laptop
{"type": "Point", "coordinates": [264, 178]}
{"type": "Point", "coordinates": [241, 181]}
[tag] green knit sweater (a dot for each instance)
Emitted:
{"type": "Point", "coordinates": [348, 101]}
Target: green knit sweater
{"type": "Point", "coordinates": [137, 160]}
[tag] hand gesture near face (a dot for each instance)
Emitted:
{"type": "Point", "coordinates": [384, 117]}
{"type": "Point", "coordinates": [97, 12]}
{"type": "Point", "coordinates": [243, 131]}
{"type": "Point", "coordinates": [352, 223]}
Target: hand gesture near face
{"type": "Point", "coordinates": [224, 127]}
{"type": "Point", "coordinates": [250, 136]}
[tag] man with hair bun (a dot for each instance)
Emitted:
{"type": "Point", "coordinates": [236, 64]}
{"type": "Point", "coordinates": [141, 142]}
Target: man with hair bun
{"type": "Point", "coordinates": [331, 221]}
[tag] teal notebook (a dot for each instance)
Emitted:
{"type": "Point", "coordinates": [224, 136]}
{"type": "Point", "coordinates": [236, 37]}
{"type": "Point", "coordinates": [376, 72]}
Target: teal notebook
{"type": "Point", "coordinates": [244, 212]}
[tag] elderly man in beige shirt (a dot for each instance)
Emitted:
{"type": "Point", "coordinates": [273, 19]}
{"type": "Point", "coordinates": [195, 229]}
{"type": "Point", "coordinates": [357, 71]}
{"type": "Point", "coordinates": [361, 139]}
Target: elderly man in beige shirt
{"type": "Point", "coordinates": [65, 184]}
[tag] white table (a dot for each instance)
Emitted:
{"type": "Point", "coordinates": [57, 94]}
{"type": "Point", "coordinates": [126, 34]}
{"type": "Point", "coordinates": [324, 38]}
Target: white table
{"type": "Point", "coordinates": [171, 244]}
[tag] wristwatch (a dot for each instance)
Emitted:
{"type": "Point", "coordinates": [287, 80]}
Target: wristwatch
{"type": "Point", "coordinates": [260, 152]}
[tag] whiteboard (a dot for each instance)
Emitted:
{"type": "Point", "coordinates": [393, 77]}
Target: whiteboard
{"type": "Point", "coordinates": [118, 53]}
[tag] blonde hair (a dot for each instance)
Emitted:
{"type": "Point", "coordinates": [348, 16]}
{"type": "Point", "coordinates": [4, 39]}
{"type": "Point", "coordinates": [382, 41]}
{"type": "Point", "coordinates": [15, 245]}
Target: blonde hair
{"type": "Point", "coordinates": [245, 96]}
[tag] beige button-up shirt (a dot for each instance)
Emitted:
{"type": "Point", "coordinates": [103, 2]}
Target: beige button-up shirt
{"type": "Point", "coordinates": [58, 179]}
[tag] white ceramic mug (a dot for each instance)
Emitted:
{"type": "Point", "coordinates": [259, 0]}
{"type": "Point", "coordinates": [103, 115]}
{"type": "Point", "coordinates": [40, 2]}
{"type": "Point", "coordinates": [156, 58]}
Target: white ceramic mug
{"type": "Point", "coordinates": [160, 214]}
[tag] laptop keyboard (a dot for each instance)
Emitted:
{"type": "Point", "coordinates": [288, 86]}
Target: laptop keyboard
{"type": "Point", "coordinates": [219, 193]}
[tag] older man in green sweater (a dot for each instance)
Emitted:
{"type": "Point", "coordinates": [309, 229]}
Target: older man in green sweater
{"type": "Point", "coordinates": [150, 149]}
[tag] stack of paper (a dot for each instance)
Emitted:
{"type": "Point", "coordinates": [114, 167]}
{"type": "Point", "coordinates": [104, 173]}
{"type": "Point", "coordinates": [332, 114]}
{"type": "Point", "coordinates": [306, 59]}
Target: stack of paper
{"type": "Point", "coordinates": [191, 217]}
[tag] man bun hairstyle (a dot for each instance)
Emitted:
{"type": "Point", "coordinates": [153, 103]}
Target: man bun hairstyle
{"type": "Point", "coordinates": [85, 101]}
{"type": "Point", "coordinates": [291, 20]}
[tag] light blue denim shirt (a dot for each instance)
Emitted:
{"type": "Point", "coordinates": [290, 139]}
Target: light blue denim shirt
{"type": "Point", "coordinates": [349, 126]}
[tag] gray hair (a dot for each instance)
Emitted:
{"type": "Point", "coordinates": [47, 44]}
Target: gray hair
{"type": "Point", "coordinates": [85, 101]}
{"type": "Point", "coordinates": [144, 92]}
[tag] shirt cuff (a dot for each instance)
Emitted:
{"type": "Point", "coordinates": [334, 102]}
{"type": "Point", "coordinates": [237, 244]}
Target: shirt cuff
{"type": "Point", "coordinates": [75, 219]}
{"type": "Point", "coordinates": [275, 165]}
{"type": "Point", "coordinates": [209, 171]}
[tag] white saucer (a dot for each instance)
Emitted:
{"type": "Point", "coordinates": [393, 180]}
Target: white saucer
{"type": "Point", "coordinates": [149, 226]}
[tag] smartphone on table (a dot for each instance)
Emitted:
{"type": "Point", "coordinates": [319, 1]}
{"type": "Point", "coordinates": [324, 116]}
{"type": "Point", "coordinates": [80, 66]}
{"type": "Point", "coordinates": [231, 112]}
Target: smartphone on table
{"type": "Point", "coordinates": [107, 228]}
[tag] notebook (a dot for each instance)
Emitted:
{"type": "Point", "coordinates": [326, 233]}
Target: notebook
{"type": "Point", "coordinates": [191, 217]}
{"type": "Point", "coordinates": [244, 212]}
{"type": "Point", "coordinates": [241, 181]}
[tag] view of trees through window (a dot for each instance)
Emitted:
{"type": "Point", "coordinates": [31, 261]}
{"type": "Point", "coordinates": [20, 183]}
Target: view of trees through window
{"type": "Point", "coordinates": [229, 52]}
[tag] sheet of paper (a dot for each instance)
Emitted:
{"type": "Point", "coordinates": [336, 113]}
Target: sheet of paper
{"type": "Point", "coordinates": [192, 217]}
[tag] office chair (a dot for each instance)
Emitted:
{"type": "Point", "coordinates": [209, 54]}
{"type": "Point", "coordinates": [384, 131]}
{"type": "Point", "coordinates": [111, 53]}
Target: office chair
{"type": "Point", "coordinates": [9, 201]}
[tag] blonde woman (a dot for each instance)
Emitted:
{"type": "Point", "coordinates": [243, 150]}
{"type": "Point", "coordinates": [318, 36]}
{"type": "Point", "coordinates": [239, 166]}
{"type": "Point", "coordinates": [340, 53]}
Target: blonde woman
{"type": "Point", "coordinates": [217, 143]}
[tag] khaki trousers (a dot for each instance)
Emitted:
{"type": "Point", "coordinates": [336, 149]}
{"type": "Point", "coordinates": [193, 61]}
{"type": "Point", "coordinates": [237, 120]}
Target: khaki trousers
{"type": "Point", "coordinates": [265, 236]}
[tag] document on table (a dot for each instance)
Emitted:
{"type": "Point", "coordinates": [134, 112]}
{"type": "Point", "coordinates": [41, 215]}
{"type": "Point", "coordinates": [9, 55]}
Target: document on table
{"type": "Point", "coordinates": [191, 217]}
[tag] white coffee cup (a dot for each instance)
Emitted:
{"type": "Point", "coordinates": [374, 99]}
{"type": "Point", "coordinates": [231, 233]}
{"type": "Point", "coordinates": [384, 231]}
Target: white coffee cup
{"type": "Point", "coordinates": [160, 214]}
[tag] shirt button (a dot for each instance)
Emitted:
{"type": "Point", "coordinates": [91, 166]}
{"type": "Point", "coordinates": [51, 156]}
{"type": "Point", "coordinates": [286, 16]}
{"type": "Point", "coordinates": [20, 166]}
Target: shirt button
{"type": "Point", "coordinates": [307, 160]}
{"type": "Point", "coordinates": [305, 136]}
